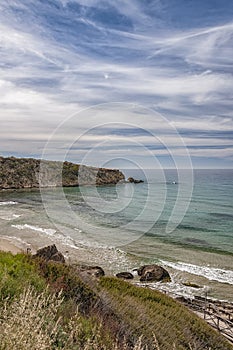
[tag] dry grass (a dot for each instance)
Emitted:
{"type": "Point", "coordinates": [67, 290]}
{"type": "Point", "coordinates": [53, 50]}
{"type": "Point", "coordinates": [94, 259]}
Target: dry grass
{"type": "Point", "coordinates": [32, 322]}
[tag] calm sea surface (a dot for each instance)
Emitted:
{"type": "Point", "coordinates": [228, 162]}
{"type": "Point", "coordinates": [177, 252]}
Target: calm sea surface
{"type": "Point", "coordinates": [125, 226]}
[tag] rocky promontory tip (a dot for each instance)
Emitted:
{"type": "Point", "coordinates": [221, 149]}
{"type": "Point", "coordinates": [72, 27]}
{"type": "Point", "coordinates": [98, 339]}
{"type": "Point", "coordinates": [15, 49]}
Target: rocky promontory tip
{"type": "Point", "coordinates": [17, 173]}
{"type": "Point", "coordinates": [134, 181]}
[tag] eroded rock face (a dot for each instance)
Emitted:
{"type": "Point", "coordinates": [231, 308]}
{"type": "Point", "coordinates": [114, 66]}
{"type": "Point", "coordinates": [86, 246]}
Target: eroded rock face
{"type": "Point", "coordinates": [18, 173]}
{"type": "Point", "coordinates": [125, 275]}
{"type": "Point", "coordinates": [50, 253]}
{"type": "Point", "coordinates": [153, 273]}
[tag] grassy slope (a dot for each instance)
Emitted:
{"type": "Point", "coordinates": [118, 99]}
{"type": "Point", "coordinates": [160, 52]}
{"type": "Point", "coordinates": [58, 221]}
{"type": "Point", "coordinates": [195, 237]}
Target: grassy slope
{"type": "Point", "coordinates": [145, 311]}
{"type": "Point", "coordinates": [121, 308]}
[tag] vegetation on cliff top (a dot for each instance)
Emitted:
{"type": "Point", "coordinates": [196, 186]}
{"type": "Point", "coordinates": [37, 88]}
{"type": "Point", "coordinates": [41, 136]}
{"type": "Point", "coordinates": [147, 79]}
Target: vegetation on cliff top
{"type": "Point", "coordinates": [29, 173]}
{"type": "Point", "coordinates": [39, 302]}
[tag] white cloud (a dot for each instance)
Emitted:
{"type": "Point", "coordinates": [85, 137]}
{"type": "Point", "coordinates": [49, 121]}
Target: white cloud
{"type": "Point", "coordinates": [208, 47]}
{"type": "Point", "coordinates": [43, 79]}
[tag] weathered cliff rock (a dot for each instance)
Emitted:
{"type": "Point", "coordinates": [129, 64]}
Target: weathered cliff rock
{"type": "Point", "coordinates": [156, 273]}
{"type": "Point", "coordinates": [18, 173]}
{"type": "Point", "coordinates": [50, 253]}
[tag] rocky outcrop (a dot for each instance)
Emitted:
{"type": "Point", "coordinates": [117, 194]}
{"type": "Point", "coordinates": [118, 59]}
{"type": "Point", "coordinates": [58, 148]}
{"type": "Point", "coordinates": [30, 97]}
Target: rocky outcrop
{"type": "Point", "coordinates": [91, 271]}
{"type": "Point", "coordinates": [125, 275]}
{"type": "Point", "coordinates": [134, 181]}
{"type": "Point", "coordinates": [50, 253]}
{"type": "Point", "coordinates": [153, 273]}
{"type": "Point", "coordinates": [16, 173]}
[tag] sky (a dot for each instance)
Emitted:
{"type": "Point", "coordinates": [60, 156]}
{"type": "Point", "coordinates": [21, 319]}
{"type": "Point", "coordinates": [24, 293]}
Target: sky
{"type": "Point", "coordinates": [127, 82]}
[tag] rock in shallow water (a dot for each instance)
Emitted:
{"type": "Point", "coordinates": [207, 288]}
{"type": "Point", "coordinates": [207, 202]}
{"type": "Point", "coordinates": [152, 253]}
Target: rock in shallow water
{"type": "Point", "coordinates": [134, 181]}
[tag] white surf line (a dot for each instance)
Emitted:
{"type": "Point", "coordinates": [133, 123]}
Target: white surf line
{"type": "Point", "coordinates": [66, 240]}
{"type": "Point", "coordinates": [211, 273]}
{"type": "Point", "coordinates": [8, 203]}
{"type": "Point", "coordinates": [48, 231]}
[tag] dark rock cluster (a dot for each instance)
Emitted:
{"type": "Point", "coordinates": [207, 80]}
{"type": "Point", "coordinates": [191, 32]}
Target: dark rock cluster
{"type": "Point", "coordinates": [147, 273]}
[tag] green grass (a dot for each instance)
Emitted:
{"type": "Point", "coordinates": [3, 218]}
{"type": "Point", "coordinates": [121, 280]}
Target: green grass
{"type": "Point", "coordinates": [24, 282]}
{"type": "Point", "coordinates": [37, 296]}
{"type": "Point", "coordinates": [145, 311]}
{"type": "Point", "coordinates": [16, 273]}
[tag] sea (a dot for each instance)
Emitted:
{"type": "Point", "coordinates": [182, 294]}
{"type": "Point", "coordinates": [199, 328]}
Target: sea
{"type": "Point", "coordinates": [180, 220]}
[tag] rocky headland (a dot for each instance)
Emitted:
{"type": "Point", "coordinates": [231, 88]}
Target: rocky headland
{"type": "Point", "coordinates": [17, 173]}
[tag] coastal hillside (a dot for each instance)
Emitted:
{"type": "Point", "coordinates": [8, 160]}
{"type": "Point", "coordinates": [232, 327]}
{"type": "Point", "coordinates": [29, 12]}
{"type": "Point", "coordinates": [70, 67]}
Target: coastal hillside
{"type": "Point", "coordinates": [50, 305]}
{"type": "Point", "coordinates": [16, 173]}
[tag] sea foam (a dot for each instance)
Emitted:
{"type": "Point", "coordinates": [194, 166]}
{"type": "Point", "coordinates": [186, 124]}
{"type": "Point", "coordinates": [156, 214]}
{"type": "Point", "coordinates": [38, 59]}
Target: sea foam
{"type": "Point", "coordinates": [66, 240]}
{"type": "Point", "coordinates": [8, 203]}
{"type": "Point", "coordinates": [211, 273]}
{"type": "Point", "coordinates": [175, 288]}
{"type": "Point", "coordinates": [47, 231]}
{"type": "Point", "coordinates": [9, 216]}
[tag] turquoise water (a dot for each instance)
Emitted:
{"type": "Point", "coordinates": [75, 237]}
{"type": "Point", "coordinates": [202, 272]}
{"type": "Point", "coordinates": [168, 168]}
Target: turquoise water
{"type": "Point", "coordinates": [121, 227]}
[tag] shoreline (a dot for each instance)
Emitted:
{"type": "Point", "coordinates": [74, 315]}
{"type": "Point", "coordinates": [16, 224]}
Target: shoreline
{"type": "Point", "coordinates": [12, 245]}
{"type": "Point", "coordinates": [6, 245]}
{"type": "Point", "coordinates": [116, 260]}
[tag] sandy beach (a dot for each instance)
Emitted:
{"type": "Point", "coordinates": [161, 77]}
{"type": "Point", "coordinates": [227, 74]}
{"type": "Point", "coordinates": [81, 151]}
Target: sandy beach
{"type": "Point", "coordinates": [7, 245]}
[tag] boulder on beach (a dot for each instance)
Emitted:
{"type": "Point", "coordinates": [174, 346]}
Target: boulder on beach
{"type": "Point", "coordinates": [125, 275]}
{"type": "Point", "coordinates": [153, 273]}
{"type": "Point", "coordinates": [50, 253]}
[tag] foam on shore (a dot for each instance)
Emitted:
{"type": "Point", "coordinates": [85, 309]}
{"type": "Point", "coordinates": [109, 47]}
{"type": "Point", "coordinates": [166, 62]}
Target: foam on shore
{"type": "Point", "coordinates": [211, 273]}
{"type": "Point", "coordinates": [8, 203]}
{"type": "Point", "coordinates": [49, 231]}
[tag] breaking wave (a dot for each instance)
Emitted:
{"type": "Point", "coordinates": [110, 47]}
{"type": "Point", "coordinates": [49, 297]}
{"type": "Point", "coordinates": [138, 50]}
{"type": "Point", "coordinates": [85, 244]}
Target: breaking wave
{"type": "Point", "coordinates": [211, 273]}
{"type": "Point", "coordinates": [8, 203]}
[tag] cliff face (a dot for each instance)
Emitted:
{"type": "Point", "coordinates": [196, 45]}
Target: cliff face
{"type": "Point", "coordinates": [33, 173]}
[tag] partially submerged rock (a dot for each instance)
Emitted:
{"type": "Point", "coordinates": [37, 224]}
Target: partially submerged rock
{"type": "Point", "coordinates": [50, 253]}
{"type": "Point", "coordinates": [125, 275]}
{"type": "Point", "coordinates": [153, 273]}
{"type": "Point", "coordinates": [134, 181]}
{"type": "Point", "coordinates": [191, 284]}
